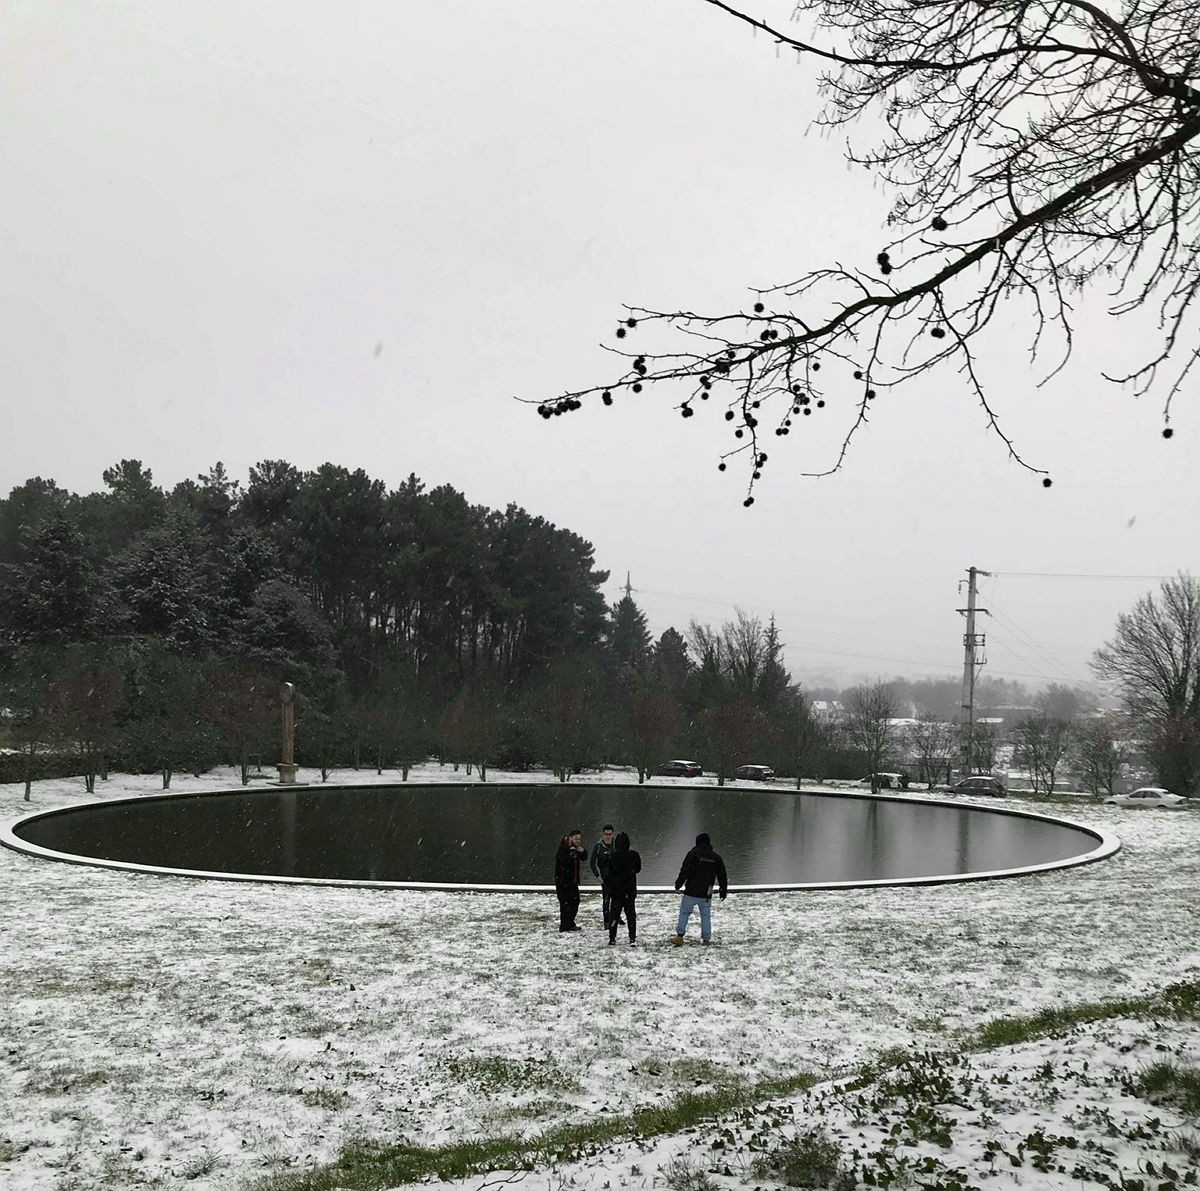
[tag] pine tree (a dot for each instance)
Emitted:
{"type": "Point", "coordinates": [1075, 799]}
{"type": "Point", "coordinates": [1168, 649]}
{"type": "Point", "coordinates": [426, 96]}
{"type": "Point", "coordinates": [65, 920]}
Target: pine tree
{"type": "Point", "coordinates": [628, 652]}
{"type": "Point", "coordinates": [55, 594]}
{"type": "Point", "coordinates": [671, 662]}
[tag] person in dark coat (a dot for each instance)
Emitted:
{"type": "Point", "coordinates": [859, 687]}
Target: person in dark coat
{"type": "Point", "coordinates": [571, 853]}
{"type": "Point", "coordinates": [601, 855]}
{"type": "Point", "coordinates": [623, 867]}
{"type": "Point", "coordinates": [702, 869]}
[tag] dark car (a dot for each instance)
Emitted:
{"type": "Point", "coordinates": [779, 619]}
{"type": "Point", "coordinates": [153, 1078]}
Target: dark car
{"type": "Point", "coordinates": [755, 773]}
{"type": "Point", "coordinates": [681, 769]}
{"type": "Point", "coordinates": [992, 786]}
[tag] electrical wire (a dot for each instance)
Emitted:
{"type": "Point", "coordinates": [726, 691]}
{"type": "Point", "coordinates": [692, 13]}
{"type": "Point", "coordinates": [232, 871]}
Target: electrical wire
{"type": "Point", "coordinates": [1069, 575]}
{"type": "Point", "coordinates": [1056, 663]}
{"type": "Point", "coordinates": [1021, 657]}
{"type": "Point", "coordinates": [674, 595]}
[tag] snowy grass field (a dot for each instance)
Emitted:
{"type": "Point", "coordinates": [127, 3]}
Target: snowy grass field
{"type": "Point", "coordinates": [174, 1033]}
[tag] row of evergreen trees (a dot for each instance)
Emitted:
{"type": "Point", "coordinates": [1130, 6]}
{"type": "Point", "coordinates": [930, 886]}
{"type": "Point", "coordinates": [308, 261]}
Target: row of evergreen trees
{"type": "Point", "coordinates": [323, 569]}
{"type": "Point", "coordinates": [151, 629]}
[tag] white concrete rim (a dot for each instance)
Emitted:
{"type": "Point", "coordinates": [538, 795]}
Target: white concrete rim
{"type": "Point", "coordinates": [1107, 845]}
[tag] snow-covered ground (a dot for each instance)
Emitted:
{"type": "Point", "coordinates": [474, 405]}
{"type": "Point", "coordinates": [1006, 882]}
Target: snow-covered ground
{"type": "Point", "coordinates": [168, 1032]}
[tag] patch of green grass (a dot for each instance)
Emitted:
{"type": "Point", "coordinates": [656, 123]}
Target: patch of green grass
{"type": "Point", "coordinates": [1167, 1083]}
{"type": "Point", "coordinates": [524, 1112]}
{"type": "Point", "coordinates": [366, 1165]}
{"type": "Point", "coordinates": [325, 1098]}
{"type": "Point", "coordinates": [56, 984]}
{"type": "Point", "coordinates": [694, 1071]}
{"type": "Point", "coordinates": [1176, 1000]}
{"type": "Point", "coordinates": [879, 1064]}
{"type": "Point", "coordinates": [63, 1080]}
{"type": "Point", "coordinates": [494, 1072]}
{"type": "Point", "coordinates": [116, 1169]}
{"type": "Point", "coordinates": [305, 1022]}
{"type": "Point", "coordinates": [369, 1166]}
{"type": "Point", "coordinates": [930, 1025]}
{"type": "Point", "coordinates": [685, 1174]}
{"type": "Point", "coordinates": [811, 1159]}
{"type": "Point", "coordinates": [200, 1165]}
{"type": "Point", "coordinates": [523, 917]}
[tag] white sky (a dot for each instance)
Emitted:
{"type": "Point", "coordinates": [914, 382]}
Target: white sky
{"type": "Point", "coordinates": [355, 232]}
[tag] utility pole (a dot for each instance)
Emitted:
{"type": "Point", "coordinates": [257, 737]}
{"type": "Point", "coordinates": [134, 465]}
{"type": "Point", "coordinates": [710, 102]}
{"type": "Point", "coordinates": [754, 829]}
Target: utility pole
{"type": "Point", "coordinates": [628, 587]}
{"type": "Point", "coordinates": [972, 660]}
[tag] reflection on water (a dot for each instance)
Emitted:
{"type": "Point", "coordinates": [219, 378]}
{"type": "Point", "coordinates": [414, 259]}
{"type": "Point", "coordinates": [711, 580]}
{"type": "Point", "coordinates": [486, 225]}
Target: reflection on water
{"type": "Point", "coordinates": [507, 834]}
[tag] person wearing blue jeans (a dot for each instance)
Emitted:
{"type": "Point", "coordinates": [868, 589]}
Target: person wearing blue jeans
{"type": "Point", "coordinates": [702, 870]}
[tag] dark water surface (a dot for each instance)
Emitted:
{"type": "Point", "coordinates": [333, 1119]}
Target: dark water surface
{"type": "Point", "coordinates": [507, 834]}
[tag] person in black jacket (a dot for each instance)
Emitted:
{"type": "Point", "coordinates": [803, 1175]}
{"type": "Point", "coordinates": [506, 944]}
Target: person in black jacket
{"type": "Point", "coordinates": [601, 855]}
{"type": "Point", "coordinates": [623, 867]}
{"type": "Point", "coordinates": [571, 853]}
{"type": "Point", "coordinates": [702, 869]}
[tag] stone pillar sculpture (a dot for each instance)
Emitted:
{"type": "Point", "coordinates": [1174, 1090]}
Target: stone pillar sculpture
{"type": "Point", "coordinates": [287, 749]}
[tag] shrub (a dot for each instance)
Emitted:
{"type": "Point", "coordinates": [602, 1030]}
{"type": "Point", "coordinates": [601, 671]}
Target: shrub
{"type": "Point", "coordinates": [811, 1159]}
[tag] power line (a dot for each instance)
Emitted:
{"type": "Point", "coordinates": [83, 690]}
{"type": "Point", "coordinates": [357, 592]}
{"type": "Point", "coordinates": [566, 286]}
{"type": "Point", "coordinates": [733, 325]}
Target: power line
{"type": "Point", "coordinates": [675, 595]}
{"type": "Point", "coordinates": [1021, 657]}
{"type": "Point", "coordinates": [1055, 662]}
{"type": "Point", "coordinates": [1069, 575]}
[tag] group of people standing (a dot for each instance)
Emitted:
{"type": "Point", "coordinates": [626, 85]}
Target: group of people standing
{"type": "Point", "coordinates": [616, 865]}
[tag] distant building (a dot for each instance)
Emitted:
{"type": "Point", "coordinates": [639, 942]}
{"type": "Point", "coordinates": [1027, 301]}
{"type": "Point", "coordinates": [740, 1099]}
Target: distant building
{"type": "Point", "coordinates": [826, 710]}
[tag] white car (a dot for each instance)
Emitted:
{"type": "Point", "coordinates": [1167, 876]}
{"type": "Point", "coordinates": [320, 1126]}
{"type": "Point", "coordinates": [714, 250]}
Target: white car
{"type": "Point", "coordinates": [755, 773]}
{"type": "Point", "coordinates": [1154, 796]}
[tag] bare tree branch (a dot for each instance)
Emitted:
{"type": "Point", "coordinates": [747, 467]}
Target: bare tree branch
{"type": "Point", "coordinates": [1035, 148]}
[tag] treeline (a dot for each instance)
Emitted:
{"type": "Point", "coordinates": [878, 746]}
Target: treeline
{"type": "Point", "coordinates": [1058, 733]}
{"type": "Point", "coordinates": [941, 698]}
{"type": "Point", "coordinates": [150, 629]}
{"type": "Point", "coordinates": [324, 569]}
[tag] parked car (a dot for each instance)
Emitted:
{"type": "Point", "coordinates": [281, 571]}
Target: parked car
{"type": "Point", "coordinates": [991, 786]}
{"type": "Point", "coordinates": [755, 773]}
{"type": "Point", "coordinates": [1154, 796]}
{"type": "Point", "coordinates": [681, 769]}
{"type": "Point", "coordinates": [886, 781]}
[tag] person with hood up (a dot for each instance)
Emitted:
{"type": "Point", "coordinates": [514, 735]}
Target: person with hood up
{"type": "Point", "coordinates": [702, 869]}
{"type": "Point", "coordinates": [623, 867]}
{"type": "Point", "coordinates": [567, 859]}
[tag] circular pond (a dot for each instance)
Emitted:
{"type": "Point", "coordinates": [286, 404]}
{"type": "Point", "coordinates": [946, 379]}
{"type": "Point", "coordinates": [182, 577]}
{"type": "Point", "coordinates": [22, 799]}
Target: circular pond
{"type": "Point", "coordinates": [504, 836]}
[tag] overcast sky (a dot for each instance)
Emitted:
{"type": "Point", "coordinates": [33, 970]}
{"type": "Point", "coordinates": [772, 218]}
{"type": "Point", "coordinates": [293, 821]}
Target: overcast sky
{"type": "Point", "coordinates": [356, 232]}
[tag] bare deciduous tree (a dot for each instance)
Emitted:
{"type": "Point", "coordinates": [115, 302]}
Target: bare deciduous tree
{"type": "Point", "coordinates": [932, 743]}
{"type": "Point", "coordinates": [799, 739]}
{"type": "Point", "coordinates": [472, 725]}
{"type": "Point", "coordinates": [1099, 751]}
{"type": "Point", "coordinates": [27, 686]}
{"type": "Point", "coordinates": [1041, 743]}
{"type": "Point", "coordinates": [732, 728]}
{"type": "Point", "coordinates": [1154, 658]}
{"type": "Point", "coordinates": [979, 747]}
{"type": "Point", "coordinates": [566, 717]}
{"type": "Point", "coordinates": [869, 712]}
{"type": "Point", "coordinates": [242, 705]}
{"type": "Point", "coordinates": [1034, 149]}
{"type": "Point", "coordinates": [651, 722]}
